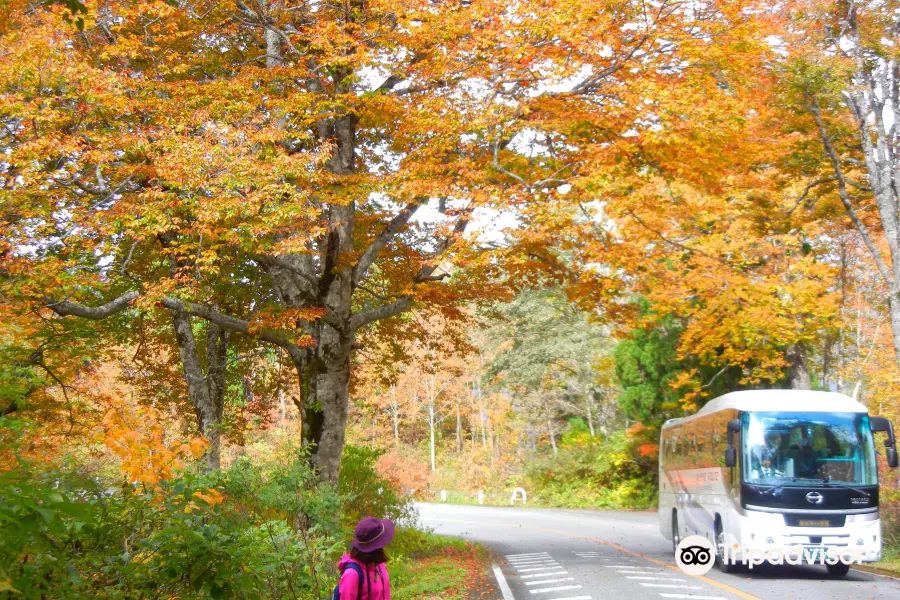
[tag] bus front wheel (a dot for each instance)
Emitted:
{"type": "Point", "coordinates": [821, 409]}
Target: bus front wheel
{"type": "Point", "coordinates": [838, 570]}
{"type": "Point", "coordinates": [721, 563]}
{"type": "Point", "coordinates": [676, 535]}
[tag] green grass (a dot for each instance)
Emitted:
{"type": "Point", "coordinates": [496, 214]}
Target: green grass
{"type": "Point", "coordinates": [890, 560]}
{"type": "Point", "coordinates": [434, 566]}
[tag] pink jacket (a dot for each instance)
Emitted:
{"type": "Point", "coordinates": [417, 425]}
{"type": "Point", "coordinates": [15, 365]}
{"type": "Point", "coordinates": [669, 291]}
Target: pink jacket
{"type": "Point", "coordinates": [378, 581]}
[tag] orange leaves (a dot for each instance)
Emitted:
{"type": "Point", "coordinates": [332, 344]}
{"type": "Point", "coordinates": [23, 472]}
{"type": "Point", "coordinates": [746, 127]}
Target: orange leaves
{"type": "Point", "coordinates": [648, 449]}
{"type": "Point", "coordinates": [139, 440]}
{"type": "Point", "coordinates": [286, 319]}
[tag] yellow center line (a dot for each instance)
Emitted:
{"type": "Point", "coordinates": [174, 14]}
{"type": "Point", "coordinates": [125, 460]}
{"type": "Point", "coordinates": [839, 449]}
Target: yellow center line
{"type": "Point", "coordinates": [722, 586]}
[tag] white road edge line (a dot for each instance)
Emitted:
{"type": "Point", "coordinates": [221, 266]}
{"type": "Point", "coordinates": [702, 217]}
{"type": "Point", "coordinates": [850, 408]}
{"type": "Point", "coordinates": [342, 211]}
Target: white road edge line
{"type": "Point", "coordinates": [502, 583]}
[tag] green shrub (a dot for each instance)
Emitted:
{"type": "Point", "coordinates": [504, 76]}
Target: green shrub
{"type": "Point", "coordinates": [266, 531]}
{"type": "Point", "coordinates": [594, 472]}
{"type": "Point", "coordinates": [366, 493]}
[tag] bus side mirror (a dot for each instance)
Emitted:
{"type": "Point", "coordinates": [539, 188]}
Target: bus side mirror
{"type": "Point", "coordinates": [730, 457]}
{"type": "Point", "coordinates": [882, 425]}
{"type": "Point", "coordinates": [734, 426]}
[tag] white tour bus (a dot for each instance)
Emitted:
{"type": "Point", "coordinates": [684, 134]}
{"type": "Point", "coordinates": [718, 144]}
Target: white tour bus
{"type": "Point", "coordinates": [775, 470]}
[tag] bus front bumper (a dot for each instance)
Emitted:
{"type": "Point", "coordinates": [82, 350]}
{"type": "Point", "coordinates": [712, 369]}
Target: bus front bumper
{"type": "Point", "coordinates": [767, 532]}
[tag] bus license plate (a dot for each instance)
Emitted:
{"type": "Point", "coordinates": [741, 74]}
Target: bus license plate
{"type": "Point", "coordinates": [814, 523]}
{"type": "Point", "coordinates": [813, 555]}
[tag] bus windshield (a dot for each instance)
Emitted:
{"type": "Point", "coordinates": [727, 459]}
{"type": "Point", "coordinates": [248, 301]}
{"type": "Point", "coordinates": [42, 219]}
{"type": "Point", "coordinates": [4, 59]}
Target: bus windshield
{"type": "Point", "coordinates": [795, 448]}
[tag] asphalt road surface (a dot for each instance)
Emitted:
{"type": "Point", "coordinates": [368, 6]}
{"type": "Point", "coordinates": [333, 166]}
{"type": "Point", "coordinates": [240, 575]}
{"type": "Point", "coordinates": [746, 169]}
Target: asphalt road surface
{"type": "Point", "coordinates": [545, 554]}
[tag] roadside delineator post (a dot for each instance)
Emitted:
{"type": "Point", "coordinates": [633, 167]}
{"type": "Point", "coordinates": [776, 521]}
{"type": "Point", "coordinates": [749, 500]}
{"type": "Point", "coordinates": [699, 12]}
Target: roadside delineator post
{"type": "Point", "coordinates": [515, 493]}
{"type": "Point", "coordinates": [480, 496]}
{"type": "Point", "coordinates": [443, 495]}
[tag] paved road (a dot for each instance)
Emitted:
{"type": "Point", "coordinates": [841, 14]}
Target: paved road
{"type": "Point", "coordinates": [583, 555]}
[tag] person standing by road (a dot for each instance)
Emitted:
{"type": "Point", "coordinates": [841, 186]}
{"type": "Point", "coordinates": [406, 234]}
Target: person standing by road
{"type": "Point", "coordinates": [364, 574]}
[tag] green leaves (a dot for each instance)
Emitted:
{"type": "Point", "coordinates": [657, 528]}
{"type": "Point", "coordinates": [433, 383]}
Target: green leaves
{"type": "Point", "coordinates": [76, 12]}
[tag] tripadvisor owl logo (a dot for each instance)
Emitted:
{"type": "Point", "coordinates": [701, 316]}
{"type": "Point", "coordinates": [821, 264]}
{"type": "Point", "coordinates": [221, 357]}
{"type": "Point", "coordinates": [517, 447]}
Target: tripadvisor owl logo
{"type": "Point", "coordinates": [695, 555]}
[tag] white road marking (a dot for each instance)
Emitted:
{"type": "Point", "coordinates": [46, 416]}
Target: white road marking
{"type": "Point", "coordinates": [657, 578]}
{"type": "Point", "coordinates": [523, 555]}
{"type": "Point", "coordinates": [558, 580]}
{"type": "Point", "coordinates": [532, 562]}
{"type": "Point", "coordinates": [558, 588]}
{"type": "Point", "coordinates": [529, 560]}
{"type": "Point", "coordinates": [537, 569]}
{"type": "Point", "coordinates": [627, 567]}
{"type": "Point", "coordinates": [692, 597]}
{"type": "Point", "coordinates": [503, 585]}
{"type": "Point", "coordinates": [574, 598]}
{"type": "Point", "coordinates": [671, 585]}
{"type": "Point", "coordinates": [544, 574]}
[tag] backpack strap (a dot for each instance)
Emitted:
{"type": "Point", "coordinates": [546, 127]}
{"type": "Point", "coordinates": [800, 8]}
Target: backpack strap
{"type": "Point", "coordinates": [359, 576]}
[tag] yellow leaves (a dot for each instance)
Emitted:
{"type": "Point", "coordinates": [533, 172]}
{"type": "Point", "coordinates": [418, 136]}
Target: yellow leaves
{"type": "Point", "coordinates": [136, 436]}
{"type": "Point", "coordinates": [210, 497]}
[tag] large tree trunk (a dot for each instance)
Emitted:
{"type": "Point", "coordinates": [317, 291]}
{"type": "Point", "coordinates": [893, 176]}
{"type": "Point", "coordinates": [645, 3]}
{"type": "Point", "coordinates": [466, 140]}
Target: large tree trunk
{"type": "Point", "coordinates": [332, 394]}
{"type": "Point", "coordinates": [798, 371]}
{"type": "Point", "coordinates": [206, 392]}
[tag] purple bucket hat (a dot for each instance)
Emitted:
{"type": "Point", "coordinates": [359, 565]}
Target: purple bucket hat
{"type": "Point", "coordinates": [373, 534]}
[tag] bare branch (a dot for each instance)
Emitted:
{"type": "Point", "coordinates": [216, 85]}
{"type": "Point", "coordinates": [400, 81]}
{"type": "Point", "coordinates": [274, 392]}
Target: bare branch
{"type": "Point", "coordinates": [279, 338]}
{"type": "Point", "coordinates": [378, 244]}
{"type": "Point", "coordinates": [66, 308]}
{"type": "Point", "coordinates": [379, 312]}
{"type": "Point", "coordinates": [845, 196]}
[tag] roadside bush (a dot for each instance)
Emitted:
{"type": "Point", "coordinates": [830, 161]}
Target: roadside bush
{"type": "Point", "coordinates": [365, 492]}
{"type": "Point", "coordinates": [232, 534]}
{"type": "Point", "coordinates": [617, 471]}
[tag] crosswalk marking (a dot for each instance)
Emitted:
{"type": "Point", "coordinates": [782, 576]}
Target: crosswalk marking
{"type": "Point", "coordinates": [558, 588]}
{"type": "Point", "coordinates": [671, 585]}
{"type": "Point", "coordinates": [543, 581]}
{"type": "Point", "coordinates": [537, 569]}
{"type": "Point", "coordinates": [544, 574]}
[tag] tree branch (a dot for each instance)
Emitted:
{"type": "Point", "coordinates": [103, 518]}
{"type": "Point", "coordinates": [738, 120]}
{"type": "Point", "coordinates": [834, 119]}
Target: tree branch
{"type": "Point", "coordinates": [279, 338]}
{"type": "Point", "coordinates": [845, 196]}
{"type": "Point", "coordinates": [378, 244]}
{"type": "Point", "coordinates": [380, 312]}
{"type": "Point", "coordinates": [65, 308]}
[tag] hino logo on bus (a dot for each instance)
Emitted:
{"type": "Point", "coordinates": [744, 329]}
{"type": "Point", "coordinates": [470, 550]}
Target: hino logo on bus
{"type": "Point", "coordinates": [815, 498]}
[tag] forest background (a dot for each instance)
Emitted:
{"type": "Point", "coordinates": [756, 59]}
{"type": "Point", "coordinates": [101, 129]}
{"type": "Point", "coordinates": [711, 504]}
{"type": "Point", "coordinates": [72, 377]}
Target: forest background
{"type": "Point", "coordinates": [268, 266]}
